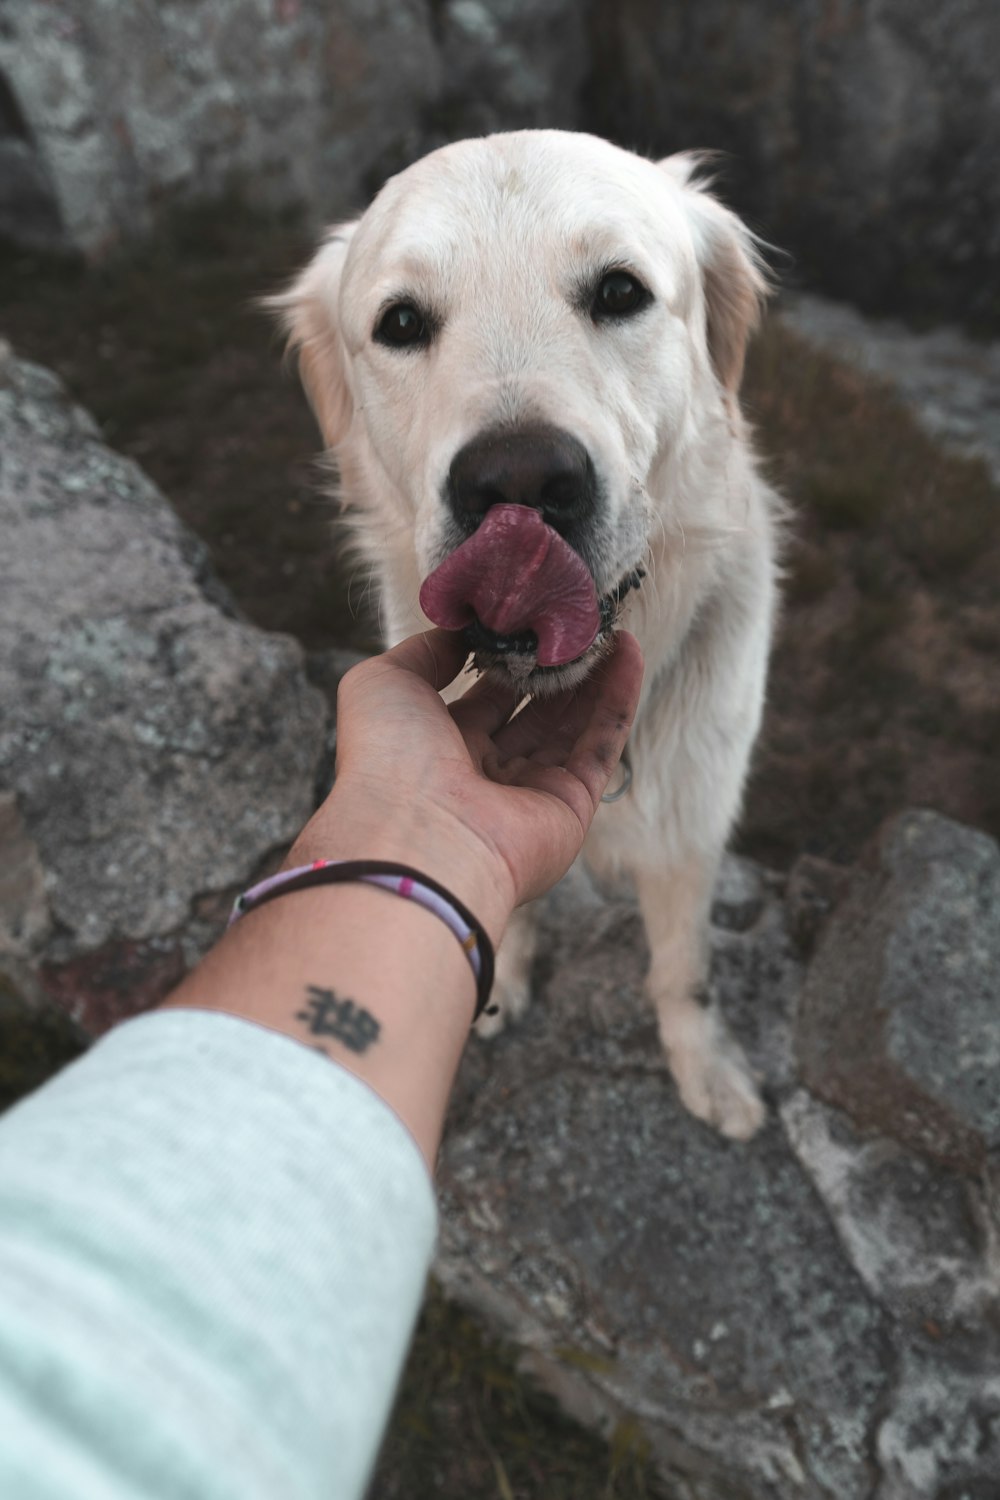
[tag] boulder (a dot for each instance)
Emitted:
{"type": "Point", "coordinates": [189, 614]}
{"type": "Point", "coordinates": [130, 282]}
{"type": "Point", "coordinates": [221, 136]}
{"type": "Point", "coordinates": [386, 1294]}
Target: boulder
{"type": "Point", "coordinates": [120, 113]}
{"type": "Point", "coordinates": [649, 1268]}
{"type": "Point", "coordinates": [918, 1235]}
{"type": "Point", "coordinates": [29, 212]}
{"type": "Point", "coordinates": [899, 1014]}
{"type": "Point", "coordinates": [942, 1435]}
{"type": "Point", "coordinates": [862, 138]}
{"type": "Point", "coordinates": [154, 747]}
{"type": "Point", "coordinates": [948, 380]}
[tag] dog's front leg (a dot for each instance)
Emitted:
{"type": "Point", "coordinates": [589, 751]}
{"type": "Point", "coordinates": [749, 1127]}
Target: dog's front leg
{"type": "Point", "coordinates": [512, 984]}
{"type": "Point", "coordinates": [712, 1075]}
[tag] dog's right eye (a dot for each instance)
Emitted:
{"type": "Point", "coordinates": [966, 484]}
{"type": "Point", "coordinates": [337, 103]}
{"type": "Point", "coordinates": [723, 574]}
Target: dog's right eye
{"type": "Point", "coordinates": [400, 326]}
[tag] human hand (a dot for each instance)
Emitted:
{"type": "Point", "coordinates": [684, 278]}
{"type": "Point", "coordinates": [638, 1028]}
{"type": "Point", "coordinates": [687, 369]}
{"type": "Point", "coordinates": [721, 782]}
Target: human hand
{"type": "Point", "coordinates": [495, 808]}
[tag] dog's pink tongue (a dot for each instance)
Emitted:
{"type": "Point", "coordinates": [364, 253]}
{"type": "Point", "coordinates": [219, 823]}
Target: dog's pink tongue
{"type": "Point", "coordinates": [515, 574]}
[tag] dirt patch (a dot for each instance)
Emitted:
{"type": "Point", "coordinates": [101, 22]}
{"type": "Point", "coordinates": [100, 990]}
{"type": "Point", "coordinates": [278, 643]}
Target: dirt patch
{"type": "Point", "coordinates": [885, 685]}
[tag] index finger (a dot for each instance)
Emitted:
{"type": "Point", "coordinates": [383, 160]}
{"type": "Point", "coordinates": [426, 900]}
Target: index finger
{"type": "Point", "coordinates": [603, 738]}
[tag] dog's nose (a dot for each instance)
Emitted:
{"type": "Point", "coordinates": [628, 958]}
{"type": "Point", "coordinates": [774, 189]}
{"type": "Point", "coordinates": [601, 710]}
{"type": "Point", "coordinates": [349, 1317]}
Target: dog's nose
{"type": "Point", "coordinates": [542, 467]}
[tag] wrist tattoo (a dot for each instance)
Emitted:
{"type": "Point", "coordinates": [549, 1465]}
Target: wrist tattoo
{"type": "Point", "coordinates": [327, 1014]}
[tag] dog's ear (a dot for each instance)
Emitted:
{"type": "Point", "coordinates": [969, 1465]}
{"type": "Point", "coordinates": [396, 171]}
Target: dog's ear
{"type": "Point", "coordinates": [732, 268]}
{"type": "Point", "coordinates": [309, 313]}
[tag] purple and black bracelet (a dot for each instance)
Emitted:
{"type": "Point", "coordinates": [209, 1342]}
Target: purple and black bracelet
{"type": "Point", "coordinates": [401, 880]}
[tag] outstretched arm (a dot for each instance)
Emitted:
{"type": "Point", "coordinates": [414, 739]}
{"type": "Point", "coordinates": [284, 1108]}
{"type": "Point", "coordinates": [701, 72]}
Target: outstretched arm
{"type": "Point", "coordinates": [213, 1242]}
{"type": "Point", "coordinates": [492, 807]}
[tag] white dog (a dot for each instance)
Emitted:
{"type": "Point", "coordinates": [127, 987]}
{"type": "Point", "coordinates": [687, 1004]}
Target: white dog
{"type": "Point", "coordinates": [541, 320]}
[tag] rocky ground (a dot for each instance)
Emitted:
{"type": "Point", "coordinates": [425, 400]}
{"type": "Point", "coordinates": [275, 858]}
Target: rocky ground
{"type": "Point", "coordinates": [811, 1315]}
{"type": "Point", "coordinates": [786, 1318]}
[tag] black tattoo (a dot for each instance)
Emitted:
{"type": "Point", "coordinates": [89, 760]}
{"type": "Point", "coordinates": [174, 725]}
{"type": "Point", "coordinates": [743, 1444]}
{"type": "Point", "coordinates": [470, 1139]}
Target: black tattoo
{"type": "Point", "coordinates": [328, 1015]}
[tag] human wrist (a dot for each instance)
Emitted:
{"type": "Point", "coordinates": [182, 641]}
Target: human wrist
{"type": "Point", "coordinates": [396, 878]}
{"type": "Point", "coordinates": [377, 985]}
{"type": "Point", "coordinates": [352, 824]}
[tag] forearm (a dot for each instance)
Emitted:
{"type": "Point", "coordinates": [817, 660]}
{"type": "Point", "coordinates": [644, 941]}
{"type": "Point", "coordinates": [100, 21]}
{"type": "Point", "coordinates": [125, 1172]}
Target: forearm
{"type": "Point", "coordinates": [376, 983]}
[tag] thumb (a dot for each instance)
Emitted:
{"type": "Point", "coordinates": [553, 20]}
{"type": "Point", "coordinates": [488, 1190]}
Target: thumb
{"type": "Point", "coordinates": [436, 656]}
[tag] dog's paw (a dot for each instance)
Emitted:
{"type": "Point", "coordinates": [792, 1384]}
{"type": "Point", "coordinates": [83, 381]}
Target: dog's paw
{"type": "Point", "coordinates": [512, 981]}
{"type": "Point", "coordinates": [713, 1077]}
{"type": "Point", "coordinates": [508, 1001]}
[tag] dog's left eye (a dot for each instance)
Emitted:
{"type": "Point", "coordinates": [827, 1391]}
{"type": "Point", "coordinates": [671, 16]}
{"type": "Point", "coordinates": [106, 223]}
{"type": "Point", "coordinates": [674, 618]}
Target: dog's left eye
{"type": "Point", "coordinates": [618, 295]}
{"type": "Point", "coordinates": [400, 326]}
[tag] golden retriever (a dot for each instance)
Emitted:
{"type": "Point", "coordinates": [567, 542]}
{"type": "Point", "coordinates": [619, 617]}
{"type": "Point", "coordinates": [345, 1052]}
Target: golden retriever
{"type": "Point", "coordinates": [538, 337]}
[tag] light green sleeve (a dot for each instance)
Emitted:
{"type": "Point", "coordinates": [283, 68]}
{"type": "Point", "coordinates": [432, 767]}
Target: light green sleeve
{"type": "Point", "coordinates": [213, 1247]}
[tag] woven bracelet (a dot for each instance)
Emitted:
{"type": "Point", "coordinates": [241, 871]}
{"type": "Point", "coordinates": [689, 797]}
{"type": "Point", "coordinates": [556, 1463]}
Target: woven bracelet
{"type": "Point", "coordinates": [401, 880]}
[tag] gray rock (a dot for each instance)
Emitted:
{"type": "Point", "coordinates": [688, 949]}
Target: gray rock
{"type": "Point", "coordinates": [129, 110]}
{"type": "Point", "coordinates": [919, 1236]}
{"type": "Point", "coordinates": [864, 138]}
{"type": "Point", "coordinates": [898, 1024]}
{"type": "Point", "coordinates": [29, 213]}
{"type": "Point", "coordinates": [809, 1315]}
{"type": "Point", "coordinates": [927, 1248]}
{"type": "Point", "coordinates": [157, 747]}
{"type": "Point", "coordinates": [25, 919]}
{"type": "Point", "coordinates": [756, 970]}
{"type": "Point", "coordinates": [941, 1438]}
{"type": "Point", "coordinates": [325, 669]}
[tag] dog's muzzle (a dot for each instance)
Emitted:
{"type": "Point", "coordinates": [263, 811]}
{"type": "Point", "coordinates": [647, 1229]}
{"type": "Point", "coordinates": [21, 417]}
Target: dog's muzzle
{"type": "Point", "coordinates": [505, 473]}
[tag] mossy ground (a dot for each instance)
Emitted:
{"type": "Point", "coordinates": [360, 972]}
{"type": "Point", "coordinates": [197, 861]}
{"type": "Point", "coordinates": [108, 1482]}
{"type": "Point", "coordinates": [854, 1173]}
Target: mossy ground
{"type": "Point", "coordinates": [884, 687]}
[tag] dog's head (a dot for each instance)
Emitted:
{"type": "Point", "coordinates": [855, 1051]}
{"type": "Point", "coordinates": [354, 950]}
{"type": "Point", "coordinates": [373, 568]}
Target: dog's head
{"type": "Point", "coordinates": [535, 320]}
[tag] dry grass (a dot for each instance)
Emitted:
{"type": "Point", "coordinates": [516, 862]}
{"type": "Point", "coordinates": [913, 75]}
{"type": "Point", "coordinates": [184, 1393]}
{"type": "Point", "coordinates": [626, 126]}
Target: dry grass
{"type": "Point", "coordinates": [886, 663]}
